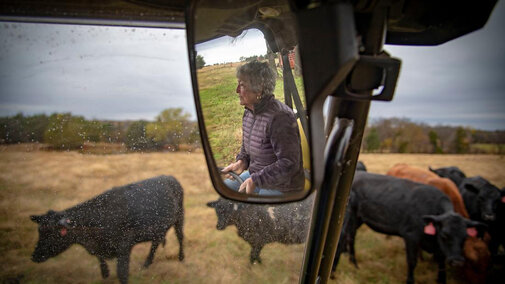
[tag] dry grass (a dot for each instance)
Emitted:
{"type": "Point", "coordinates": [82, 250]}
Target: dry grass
{"type": "Point", "coordinates": [382, 259]}
{"type": "Point", "coordinates": [488, 166]}
{"type": "Point", "coordinates": [33, 182]}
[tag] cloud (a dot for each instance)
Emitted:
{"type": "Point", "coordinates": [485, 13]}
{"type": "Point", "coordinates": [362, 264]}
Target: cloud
{"type": "Point", "coordinates": [228, 49]}
{"type": "Point", "coordinates": [459, 82]}
{"type": "Point", "coordinates": [97, 72]}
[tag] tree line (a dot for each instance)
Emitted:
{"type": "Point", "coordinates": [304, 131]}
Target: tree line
{"type": "Point", "coordinates": [401, 135]}
{"type": "Point", "coordinates": [171, 128]}
{"type": "Point", "coordinates": [200, 60]}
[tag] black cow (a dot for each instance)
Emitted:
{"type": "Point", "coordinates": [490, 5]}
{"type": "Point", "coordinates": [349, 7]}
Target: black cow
{"type": "Point", "coordinates": [481, 198]}
{"type": "Point", "coordinates": [497, 227]}
{"type": "Point", "coordinates": [452, 173]}
{"type": "Point", "coordinates": [262, 224]}
{"type": "Point", "coordinates": [421, 214]}
{"type": "Point", "coordinates": [110, 224]}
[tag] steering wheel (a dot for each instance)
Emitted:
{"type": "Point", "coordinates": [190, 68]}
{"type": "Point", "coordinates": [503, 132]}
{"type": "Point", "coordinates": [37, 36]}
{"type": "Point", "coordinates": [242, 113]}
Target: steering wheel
{"type": "Point", "coordinates": [233, 174]}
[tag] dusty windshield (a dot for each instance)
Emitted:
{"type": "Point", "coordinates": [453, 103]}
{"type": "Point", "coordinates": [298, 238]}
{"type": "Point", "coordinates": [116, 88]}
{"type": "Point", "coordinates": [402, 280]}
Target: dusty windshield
{"type": "Point", "coordinates": [100, 155]}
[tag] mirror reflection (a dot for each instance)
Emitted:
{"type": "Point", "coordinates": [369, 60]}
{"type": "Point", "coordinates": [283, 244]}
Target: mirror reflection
{"type": "Point", "coordinates": [256, 134]}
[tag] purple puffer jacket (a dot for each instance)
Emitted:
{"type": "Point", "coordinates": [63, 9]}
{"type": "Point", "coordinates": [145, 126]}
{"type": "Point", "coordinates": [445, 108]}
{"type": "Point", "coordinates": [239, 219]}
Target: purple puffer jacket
{"type": "Point", "coordinates": [271, 146]}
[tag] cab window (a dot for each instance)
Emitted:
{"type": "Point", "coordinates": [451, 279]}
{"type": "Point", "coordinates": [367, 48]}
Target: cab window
{"type": "Point", "coordinates": [90, 110]}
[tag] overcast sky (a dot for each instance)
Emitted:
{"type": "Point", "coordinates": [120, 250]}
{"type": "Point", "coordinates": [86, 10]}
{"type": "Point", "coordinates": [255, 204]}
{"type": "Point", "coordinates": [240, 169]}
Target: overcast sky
{"type": "Point", "coordinates": [100, 72]}
{"type": "Point", "coordinates": [461, 82]}
{"type": "Point", "coordinates": [228, 49]}
{"type": "Point", "coordinates": [123, 73]}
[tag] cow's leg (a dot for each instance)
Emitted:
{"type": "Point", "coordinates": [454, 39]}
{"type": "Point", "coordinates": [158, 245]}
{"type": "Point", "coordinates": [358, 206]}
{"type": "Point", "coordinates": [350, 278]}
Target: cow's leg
{"type": "Point", "coordinates": [150, 257]}
{"type": "Point", "coordinates": [342, 245]}
{"type": "Point", "coordinates": [351, 241]}
{"type": "Point", "coordinates": [421, 257]}
{"type": "Point", "coordinates": [352, 226]}
{"type": "Point", "coordinates": [123, 263]}
{"type": "Point", "coordinates": [441, 278]}
{"type": "Point", "coordinates": [255, 253]}
{"type": "Point", "coordinates": [180, 237]}
{"type": "Point", "coordinates": [340, 249]}
{"type": "Point", "coordinates": [103, 267]}
{"type": "Point", "coordinates": [493, 246]}
{"type": "Point", "coordinates": [346, 242]}
{"type": "Point", "coordinates": [412, 249]}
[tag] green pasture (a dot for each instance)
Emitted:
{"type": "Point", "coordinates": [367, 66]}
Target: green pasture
{"type": "Point", "coordinates": [34, 181]}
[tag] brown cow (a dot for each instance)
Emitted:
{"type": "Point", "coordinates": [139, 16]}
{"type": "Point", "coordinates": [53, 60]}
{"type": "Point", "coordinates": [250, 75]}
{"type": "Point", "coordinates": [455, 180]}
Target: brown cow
{"type": "Point", "coordinates": [446, 185]}
{"type": "Point", "coordinates": [476, 252]}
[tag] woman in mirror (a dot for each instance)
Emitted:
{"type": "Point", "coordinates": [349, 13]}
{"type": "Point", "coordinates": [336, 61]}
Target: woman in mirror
{"type": "Point", "coordinates": [270, 159]}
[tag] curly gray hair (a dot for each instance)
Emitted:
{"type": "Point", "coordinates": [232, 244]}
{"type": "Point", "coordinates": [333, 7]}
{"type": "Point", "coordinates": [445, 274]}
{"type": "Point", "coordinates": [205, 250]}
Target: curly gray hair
{"type": "Point", "coordinates": [259, 76]}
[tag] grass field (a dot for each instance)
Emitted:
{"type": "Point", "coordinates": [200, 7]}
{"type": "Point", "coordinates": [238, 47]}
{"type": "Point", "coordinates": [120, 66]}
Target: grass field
{"type": "Point", "coordinates": [32, 182]}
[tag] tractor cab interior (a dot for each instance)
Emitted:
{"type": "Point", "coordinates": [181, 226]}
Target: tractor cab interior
{"type": "Point", "coordinates": [343, 67]}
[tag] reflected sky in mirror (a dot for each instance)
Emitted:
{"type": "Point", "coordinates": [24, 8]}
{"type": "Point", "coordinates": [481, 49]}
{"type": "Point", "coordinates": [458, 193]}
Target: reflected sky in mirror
{"type": "Point", "coordinates": [228, 49]}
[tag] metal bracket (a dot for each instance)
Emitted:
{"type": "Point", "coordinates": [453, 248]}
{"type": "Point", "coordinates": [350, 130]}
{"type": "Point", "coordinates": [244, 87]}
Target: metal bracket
{"type": "Point", "coordinates": [373, 72]}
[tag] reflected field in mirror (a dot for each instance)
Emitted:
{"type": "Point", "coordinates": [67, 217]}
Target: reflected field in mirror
{"type": "Point", "coordinates": [253, 107]}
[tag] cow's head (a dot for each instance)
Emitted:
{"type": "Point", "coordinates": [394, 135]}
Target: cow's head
{"type": "Point", "coordinates": [487, 196]}
{"type": "Point", "coordinates": [226, 211]}
{"type": "Point", "coordinates": [452, 173]}
{"type": "Point", "coordinates": [451, 231]}
{"type": "Point", "coordinates": [54, 235]}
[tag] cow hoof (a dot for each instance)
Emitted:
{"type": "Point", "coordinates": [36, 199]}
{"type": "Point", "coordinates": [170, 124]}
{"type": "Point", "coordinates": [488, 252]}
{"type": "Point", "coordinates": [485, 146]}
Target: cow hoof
{"type": "Point", "coordinates": [181, 257]}
{"type": "Point", "coordinates": [256, 260]}
{"type": "Point", "coordinates": [353, 261]}
{"type": "Point", "coordinates": [105, 272]}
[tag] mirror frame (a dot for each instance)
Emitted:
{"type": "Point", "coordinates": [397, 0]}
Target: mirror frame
{"type": "Point", "coordinates": [214, 173]}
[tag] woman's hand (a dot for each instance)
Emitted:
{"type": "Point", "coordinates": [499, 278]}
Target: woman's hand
{"type": "Point", "coordinates": [238, 167]}
{"type": "Point", "coordinates": [247, 187]}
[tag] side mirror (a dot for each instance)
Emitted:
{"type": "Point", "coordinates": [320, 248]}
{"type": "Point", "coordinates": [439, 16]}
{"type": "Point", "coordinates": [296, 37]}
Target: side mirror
{"type": "Point", "coordinates": [250, 99]}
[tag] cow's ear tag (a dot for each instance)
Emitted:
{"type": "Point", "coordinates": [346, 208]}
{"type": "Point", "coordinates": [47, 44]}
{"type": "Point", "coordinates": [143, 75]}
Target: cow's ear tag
{"type": "Point", "coordinates": [472, 232]}
{"type": "Point", "coordinates": [503, 199]}
{"type": "Point", "coordinates": [430, 229]}
{"type": "Point", "coordinates": [63, 232]}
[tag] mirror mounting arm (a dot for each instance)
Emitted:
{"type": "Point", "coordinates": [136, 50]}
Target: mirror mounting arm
{"type": "Point", "coordinates": [332, 27]}
{"type": "Point", "coordinates": [286, 71]}
{"type": "Point", "coordinates": [356, 111]}
{"type": "Point", "coordinates": [334, 154]}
